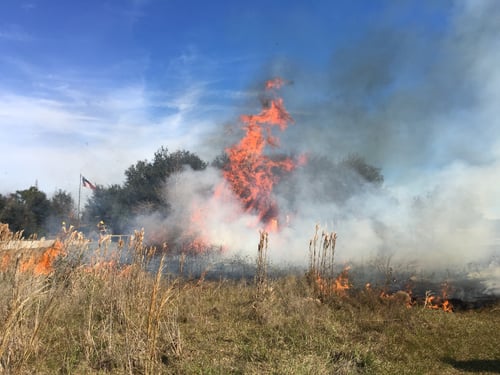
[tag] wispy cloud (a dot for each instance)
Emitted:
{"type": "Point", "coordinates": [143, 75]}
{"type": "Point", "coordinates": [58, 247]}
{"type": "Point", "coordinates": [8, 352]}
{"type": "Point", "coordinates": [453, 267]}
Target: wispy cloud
{"type": "Point", "coordinates": [15, 33]}
{"type": "Point", "coordinates": [26, 112]}
{"type": "Point", "coordinates": [102, 130]}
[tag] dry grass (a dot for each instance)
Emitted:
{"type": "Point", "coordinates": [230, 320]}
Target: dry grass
{"type": "Point", "coordinates": [95, 316]}
{"type": "Point", "coordinates": [261, 280]}
{"type": "Point", "coordinates": [89, 315]}
{"type": "Point", "coordinates": [291, 332]}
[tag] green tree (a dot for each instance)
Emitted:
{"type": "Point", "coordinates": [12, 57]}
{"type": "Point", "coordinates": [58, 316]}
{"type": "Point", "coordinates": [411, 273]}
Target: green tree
{"type": "Point", "coordinates": [26, 210]}
{"type": "Point", "coordinates": [13, 213]}
{"type": "Point", "coordinates": [141, 193]}
{"type": "Point", "coordinates": [145, 180]}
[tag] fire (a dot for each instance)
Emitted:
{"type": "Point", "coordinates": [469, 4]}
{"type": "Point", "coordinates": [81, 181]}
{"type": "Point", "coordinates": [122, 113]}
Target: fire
{"type": "Point", "coordinates": [250, 173]}
{"type": "Point", "coordinates": [431, 301]}
{"type": "Point", "coordinates": [400, 297]}
{"type": "Point", "coordinates": [249, 176]}
{"type": "Point", "coordinates": [31, 259]}
{"type": "Point", "coordinates": [342, 282]}
{"type": "Point", "coordinates": [447, 306]}
{"type": "Point", "coordinates": [438, 303]}
{"type": "Point", "coordinates": [339, 286]}
{"type": "Point", "coordinates": [195, 238]}
{"type": "Point", "coordinates": [39, 264]}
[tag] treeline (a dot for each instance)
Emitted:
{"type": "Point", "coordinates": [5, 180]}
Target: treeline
{"type": "Point", "coordinates": [142, 192]}
{"type": "Point", "coordinates": [31, 211]}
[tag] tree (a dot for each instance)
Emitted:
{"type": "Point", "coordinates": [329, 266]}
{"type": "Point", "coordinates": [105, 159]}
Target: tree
{"type": "Point", "coordinates": [220, 161]}
{"type": "Point", "coordinates": [142, 192]}
{"type": "Point", "coordinates": [26, 210]}
{"type": "Point", "coordinates": [3, 202]}
{"type": "Point", "coordinates": [145, 180]}
{"type": "Point", "coordinates": [62, 209]}
{"type": "Point", "coordinates": [107, 204]}
{"type": "Point", "coordinates": [13, 213]}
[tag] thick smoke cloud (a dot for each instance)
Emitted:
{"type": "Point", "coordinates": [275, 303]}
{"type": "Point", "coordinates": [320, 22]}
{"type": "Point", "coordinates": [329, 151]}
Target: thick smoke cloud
{"type": "Point", "coordinates": [424, 110]}
{"type": "Point", "coordinates": [405, 98]}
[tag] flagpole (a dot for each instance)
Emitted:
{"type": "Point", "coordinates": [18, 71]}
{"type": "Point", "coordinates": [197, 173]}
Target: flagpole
{"type": "Point", "coordinates": [79, 195]}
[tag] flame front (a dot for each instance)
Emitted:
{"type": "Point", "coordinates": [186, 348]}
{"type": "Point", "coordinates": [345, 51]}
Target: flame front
{"type": "Point", "coordinates": [34, 261]}
{"type": "Point", "coordinates": [339, 286]}
{"type": "Point", "coordinates": [250, 173]}
{"type": "Point", "coordinates": [439, 303]}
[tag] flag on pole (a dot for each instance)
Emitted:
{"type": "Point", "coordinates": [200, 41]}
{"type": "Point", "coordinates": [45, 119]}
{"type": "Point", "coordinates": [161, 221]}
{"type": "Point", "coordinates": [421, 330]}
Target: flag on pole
{"type": "Point", "coordinates": [87, 183]}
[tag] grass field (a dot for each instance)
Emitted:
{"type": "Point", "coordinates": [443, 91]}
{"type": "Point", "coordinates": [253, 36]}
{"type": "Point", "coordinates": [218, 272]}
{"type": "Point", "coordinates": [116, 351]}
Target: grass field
{"type": "Point", "coordinates": [97, 317]}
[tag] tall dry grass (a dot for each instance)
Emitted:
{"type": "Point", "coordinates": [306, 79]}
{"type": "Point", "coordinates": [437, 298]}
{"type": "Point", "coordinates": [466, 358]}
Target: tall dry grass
{"type": "Point", "coordinates": [92, 313]}
{"type": "Point", "coordinates": [321, 271]}
{"type": "Point", "coordinates": [261, 280]}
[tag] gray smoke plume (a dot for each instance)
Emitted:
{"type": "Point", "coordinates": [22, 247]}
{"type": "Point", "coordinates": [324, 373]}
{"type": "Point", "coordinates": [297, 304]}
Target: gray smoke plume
{"type": "Point", "coordinates": [424, 110]}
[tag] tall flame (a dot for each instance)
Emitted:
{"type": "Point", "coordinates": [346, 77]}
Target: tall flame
{"type": "Point", "coordinates": [252, 174]}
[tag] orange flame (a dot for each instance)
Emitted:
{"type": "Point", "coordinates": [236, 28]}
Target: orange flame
{"type": "Point", "coordinates": [42, 264]}
{"type": "Point", "coordinates": [439, 303]}
{"type": "Point", "coordinates": [250, 173]}
{"type": "Point", "coordinates": [342, 282]}
{"type": "Point", "coordinates": [447, 306]}
{"type": "Point", "coordinates": [339, 286]}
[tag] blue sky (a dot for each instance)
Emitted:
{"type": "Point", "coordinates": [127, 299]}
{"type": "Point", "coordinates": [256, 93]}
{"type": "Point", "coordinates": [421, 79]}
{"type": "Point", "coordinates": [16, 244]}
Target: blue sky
{"type": "Point", "coordinates": [93, 86]}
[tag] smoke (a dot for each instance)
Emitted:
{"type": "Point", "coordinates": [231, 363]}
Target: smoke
{"type": "Point", "coordinates": [422, 108]}
{"type": "Point", "coordinates": [407, 98]}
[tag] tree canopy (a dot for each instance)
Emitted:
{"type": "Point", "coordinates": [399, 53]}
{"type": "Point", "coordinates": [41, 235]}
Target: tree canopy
{"type": "Point", "coordinates": [26, 210]}
{"type": "Point", "coordinates": [142, 191]}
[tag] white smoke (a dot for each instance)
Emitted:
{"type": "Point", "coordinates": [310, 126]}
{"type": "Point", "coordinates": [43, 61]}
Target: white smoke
{"type": "Point", "coordinates": [436, 140]}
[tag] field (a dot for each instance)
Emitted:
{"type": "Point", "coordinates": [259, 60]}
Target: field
{"type": "Point", "coordinates": [95, 316]}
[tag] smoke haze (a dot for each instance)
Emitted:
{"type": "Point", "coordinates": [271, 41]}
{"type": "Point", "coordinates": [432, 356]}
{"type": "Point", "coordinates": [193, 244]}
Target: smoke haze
{"type": "Point", "coordinates": [430, 121]}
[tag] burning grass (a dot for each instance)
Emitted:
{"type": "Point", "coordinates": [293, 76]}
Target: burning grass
{"type": "Point", "coordinates": [91, 316]}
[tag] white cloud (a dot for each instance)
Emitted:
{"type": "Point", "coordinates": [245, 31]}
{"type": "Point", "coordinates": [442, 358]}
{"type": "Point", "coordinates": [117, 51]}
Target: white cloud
{"type": "Point", "coordinates": [36, 114]}
{"type": "Point", "coordinates": [101, 133]}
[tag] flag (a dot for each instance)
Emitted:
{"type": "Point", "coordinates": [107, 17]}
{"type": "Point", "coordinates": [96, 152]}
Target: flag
{"type": "Point", "coordinates": [87, 183]}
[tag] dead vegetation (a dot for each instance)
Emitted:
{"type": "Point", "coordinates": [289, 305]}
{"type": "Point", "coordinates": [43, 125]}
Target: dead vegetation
{"type": "Point", "coordinates": [94, 314]}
